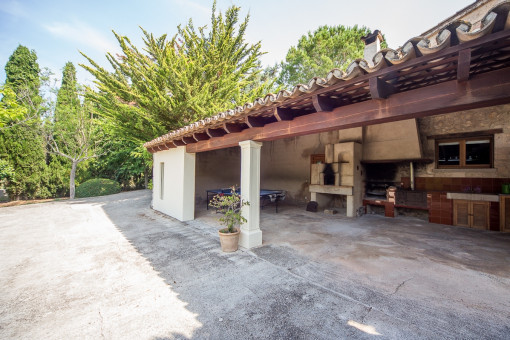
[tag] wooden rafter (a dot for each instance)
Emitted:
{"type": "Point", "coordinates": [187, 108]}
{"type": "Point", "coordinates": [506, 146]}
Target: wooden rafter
{"type": "Point", "coordinates": [254, 121]}
{"type": "Point", "coordinates": [283, 114]}
{"type": "Point", "coordinates": [322, 103]}
{"type": "Point", "coordinates": [464, 65]}
{"type": "Point", "coordinates": [215, 132]}
{"type": "Point", "coordinates": [188, 140]}
{"type": "Point", "coordinates": [379, 89]}
{"type": "Point", "coordinates": [201, 136]}
{"type": "Point", "coordinates": [232, 127]}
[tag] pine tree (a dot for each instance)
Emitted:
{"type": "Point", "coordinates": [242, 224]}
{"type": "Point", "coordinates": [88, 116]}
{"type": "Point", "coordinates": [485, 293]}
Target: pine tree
{"type": "Point", "coordinates": [320, 51]}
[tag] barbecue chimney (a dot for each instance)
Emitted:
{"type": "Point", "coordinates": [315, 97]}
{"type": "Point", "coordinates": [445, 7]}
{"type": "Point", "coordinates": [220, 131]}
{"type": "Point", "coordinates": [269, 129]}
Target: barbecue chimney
{"type": "Point", "coordinates": [372, 45]}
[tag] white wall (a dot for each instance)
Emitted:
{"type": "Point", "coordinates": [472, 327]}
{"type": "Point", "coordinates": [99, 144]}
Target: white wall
{"type": "Point", "coordinates": [179, 183]}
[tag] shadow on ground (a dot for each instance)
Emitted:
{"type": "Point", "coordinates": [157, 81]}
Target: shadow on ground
{"type": "Point", "coordinates": [278, 291]}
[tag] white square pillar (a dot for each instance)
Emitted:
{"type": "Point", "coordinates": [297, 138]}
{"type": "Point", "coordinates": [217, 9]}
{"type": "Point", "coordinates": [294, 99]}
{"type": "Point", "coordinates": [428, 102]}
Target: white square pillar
{"type": "Point", "coordinates": [173, 182]}
{"type": "Point", "coordinates": [251, 235]}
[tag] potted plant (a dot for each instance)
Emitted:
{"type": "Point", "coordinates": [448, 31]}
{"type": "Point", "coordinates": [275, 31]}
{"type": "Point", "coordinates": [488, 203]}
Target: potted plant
{"type": "Point", "coordinates": [229, 204]}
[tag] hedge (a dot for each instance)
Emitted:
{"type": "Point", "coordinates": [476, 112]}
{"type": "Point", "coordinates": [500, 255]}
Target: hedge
{"type": "Point", "coordinates": [97, 187]}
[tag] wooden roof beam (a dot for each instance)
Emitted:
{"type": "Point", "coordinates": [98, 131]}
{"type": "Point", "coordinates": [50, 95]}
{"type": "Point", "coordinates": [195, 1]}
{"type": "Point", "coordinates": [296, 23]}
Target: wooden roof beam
{"type": "Point", "coordinates": [379, 89]}
{"type": "Point", "coordinates": [464, 65]}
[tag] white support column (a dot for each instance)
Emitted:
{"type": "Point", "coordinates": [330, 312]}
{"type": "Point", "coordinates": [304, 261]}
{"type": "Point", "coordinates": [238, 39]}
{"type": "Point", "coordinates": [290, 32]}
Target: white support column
{"type": "Point", "coordinates": [173, 191]}
{"type": "Point", "coordinates": [251, 235]}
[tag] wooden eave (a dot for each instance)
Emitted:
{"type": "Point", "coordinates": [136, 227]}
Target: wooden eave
{"type": "Point", "coordinates": [465, 76]}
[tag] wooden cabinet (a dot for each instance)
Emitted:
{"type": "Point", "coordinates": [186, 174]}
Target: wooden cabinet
{"type": "Point", "coordinates": [504, 213]}
{"type": "Point", "coordinates": [471, 214]}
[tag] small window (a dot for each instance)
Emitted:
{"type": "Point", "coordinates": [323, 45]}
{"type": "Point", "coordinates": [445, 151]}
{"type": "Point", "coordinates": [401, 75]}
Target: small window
{"type": "Point", "coordinates": [162, 179]}
{"type": "Point", "coordinates": [318, 158]}
{"type": "Point", "coordinates": [464, 153]}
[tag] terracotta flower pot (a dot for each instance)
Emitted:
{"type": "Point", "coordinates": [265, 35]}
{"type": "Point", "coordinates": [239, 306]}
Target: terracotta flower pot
{"type": "Point", "coordinates": [229, 241]}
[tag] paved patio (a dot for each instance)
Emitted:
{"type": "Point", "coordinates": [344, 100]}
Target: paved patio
{"type": "Point", "coordinates": [111, 267]}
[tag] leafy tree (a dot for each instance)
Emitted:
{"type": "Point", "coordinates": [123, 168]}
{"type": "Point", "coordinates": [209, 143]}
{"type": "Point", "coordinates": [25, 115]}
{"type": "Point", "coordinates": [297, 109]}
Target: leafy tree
{"type": "Point", "coordinates": [174, 82]}
{"type": "Point", "coordinates": [319, 52]}
{"type": "Point", "coordinates": [72, 135]}
{"type": "Point", "coordinates": [6, 170]}
{"type": "Point", "coordinates": [22, 145]}
{"type": "Point", "coordinates": [123, 161]}
{"type": "Point", "coordinates": [10, 108]}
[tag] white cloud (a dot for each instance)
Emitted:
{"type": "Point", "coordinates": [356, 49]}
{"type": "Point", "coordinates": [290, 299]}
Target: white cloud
{"type": "Point", "coordinates": [14, 8]}
{"type": "Point", "coordinates": [82, 34]}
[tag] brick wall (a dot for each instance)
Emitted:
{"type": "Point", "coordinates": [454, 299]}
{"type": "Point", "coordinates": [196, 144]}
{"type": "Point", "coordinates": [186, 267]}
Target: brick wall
{"type": "Point", "coordinates": [441, 208]}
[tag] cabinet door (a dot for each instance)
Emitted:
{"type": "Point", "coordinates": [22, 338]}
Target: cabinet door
{"type": "Point", "coordinates": [504, 208]}
{"type": "Point", "coordinates": [461, 213]}
{"type": "Point", "coordinates": [480, 215]}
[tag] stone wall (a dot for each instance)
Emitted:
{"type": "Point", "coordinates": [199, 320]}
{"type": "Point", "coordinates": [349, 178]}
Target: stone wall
{"type": "Point", "coordinates": [496, 117]}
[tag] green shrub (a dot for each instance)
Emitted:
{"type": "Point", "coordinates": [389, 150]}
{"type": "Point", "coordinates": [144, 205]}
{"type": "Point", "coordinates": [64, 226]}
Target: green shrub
{"type": "Point", "coordinates": [97, 187]}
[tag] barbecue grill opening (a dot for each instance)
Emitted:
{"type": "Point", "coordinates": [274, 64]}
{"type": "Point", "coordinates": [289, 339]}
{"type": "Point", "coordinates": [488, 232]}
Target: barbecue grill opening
{"type": "Point", "coordinates": [329, 175]}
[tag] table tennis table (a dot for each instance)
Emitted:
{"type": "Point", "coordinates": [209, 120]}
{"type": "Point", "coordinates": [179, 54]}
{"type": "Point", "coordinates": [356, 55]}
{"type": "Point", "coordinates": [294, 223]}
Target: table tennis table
{"type": "Point", "coordinates": [266, 196]}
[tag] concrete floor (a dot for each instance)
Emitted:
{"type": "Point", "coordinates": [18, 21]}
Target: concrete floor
{"type": "Point", "coordinates": [112, 268]}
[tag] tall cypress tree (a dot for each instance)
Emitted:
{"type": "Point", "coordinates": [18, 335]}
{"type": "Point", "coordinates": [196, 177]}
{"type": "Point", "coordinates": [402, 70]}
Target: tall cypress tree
{"type": "Point", "coordinates": [67, 95]}
{"type": "Point", "coordinates": [23, 145]}
{"type": "Point", "coordinates": [22, 75]}
{"type": "Point", "coordinates": [73, 132]}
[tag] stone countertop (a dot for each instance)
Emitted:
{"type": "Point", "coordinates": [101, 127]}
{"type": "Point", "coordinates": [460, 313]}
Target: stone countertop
{"type": "Point", "coordinates": [473, 196]}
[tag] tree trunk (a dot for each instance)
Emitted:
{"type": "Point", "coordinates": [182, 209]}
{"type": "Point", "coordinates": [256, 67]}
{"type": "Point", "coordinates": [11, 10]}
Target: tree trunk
{"type": "Point", "coordinates": [71, 180]}
{"type": "Point", "coordinates": [146, 177]}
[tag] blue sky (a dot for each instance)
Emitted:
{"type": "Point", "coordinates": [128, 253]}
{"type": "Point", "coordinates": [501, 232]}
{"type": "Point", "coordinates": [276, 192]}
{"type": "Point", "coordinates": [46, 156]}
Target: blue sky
{"type": "Point", "coordinates": [58, 29]}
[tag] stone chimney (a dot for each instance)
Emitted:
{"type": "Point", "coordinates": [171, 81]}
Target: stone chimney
{"type": "Point", "coordinates": [372, 45]}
